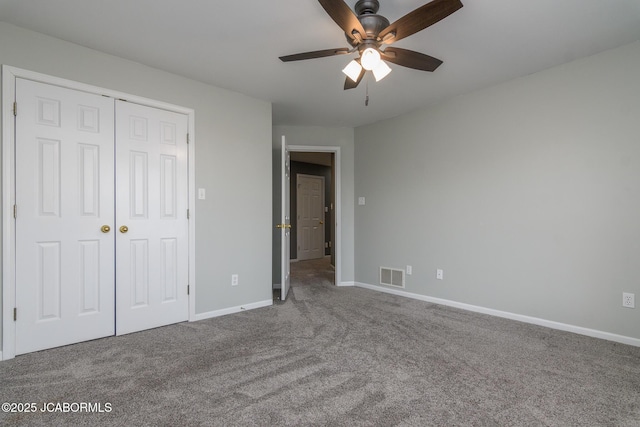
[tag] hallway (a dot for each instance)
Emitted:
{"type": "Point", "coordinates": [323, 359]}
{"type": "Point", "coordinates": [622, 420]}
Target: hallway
{"type": "Point", "coordinates": [313, 271]}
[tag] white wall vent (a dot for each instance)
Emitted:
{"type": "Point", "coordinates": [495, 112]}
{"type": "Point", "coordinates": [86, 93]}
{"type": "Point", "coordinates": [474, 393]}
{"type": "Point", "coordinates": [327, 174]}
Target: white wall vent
{"type": "Point", "coordinates": [392, 277]}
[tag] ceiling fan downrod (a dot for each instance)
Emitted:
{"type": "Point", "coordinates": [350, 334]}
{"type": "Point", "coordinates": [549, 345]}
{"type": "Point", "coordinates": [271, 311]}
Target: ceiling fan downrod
{"type": "Point", "coordinates": [366, 7]}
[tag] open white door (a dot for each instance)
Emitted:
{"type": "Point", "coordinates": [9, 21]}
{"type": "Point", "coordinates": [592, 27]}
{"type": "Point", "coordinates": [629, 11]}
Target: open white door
{"type": "Point", "coordinates": [285, 221]}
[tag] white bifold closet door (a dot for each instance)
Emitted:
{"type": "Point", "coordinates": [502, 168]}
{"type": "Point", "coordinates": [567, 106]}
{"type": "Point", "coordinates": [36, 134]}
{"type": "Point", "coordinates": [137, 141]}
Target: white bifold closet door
{"type": "Point", "coordinates": [64, 195]}
{"type": "Point", "coordinates": [151, 202]}
{"type": "Point", "coordinates": [101, 225]}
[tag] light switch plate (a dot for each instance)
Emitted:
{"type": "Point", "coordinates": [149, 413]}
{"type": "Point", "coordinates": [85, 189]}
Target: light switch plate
{"type": "Point", "coordinates": [361, 201]}
{"type": "Point", "coordinates": [201, 193]}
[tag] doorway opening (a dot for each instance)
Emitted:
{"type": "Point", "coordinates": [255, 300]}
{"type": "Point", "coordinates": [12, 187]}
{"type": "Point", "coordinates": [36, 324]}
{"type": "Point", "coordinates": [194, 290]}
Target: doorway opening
{"type": "Point", "coordinates": [313, 216]}
{"type": "Point", "coordinates": [313, 158]}
{"type": "Point", "coordinates": [285, 219]}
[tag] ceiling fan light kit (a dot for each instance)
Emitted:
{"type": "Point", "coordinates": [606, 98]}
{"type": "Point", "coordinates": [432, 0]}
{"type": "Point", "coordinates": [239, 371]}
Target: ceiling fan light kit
{"type": "Point", "coordinates": [369, 58]}
{"type": "Point", "coordinates": [367, 32]}
{"type": "Point", "coordinates": [353, 70]}
{"type": "Point", "coordinates": [381, 71]}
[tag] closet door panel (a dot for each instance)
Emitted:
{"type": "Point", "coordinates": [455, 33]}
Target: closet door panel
{"type": "Point", "coordinates": [151, 205]}
{"type": "Point", "coordinates": [64, 197]}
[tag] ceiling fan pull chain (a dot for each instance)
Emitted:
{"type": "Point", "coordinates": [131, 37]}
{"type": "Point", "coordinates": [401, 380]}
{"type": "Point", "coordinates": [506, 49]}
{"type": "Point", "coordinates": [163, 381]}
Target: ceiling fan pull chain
{"type": "Point", "coordinates": [366, 99]}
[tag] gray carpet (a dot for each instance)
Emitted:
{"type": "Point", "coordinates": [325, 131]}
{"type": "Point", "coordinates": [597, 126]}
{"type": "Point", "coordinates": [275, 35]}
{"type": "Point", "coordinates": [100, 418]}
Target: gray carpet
{"type": "Point", "coordinates": [335, 356]}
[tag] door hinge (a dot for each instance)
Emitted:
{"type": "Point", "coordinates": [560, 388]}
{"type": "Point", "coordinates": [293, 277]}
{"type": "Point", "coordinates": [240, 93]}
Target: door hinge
{"type": "Point", "coordinates": [15, 314]}
{"type": "Point", "coordinates": [187, 138]}
{"type": "Point", "coordinates": [15, 211]}
{"type": "Point", "coordinates": [188, 214]}
{"type": "Point", "coordinates": [15, 108]}
{"type": "Point", "coordinates": [188, 289]}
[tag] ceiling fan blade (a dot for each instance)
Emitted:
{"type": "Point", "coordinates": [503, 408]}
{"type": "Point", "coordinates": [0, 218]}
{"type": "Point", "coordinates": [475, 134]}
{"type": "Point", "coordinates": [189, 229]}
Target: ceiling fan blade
{"type": "Point", "coordinates": [315, 54]}
{"type": "Point", "coordinates": [419, 19]}
{"type": "Point", "coordinates": [344, 17]}
{"type": "Point", "coordinates": [410, 59]}
{"type": "Point", "coordinates": [350, 84]}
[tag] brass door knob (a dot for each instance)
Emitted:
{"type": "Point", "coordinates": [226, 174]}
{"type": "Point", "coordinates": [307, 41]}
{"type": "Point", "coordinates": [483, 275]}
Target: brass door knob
{"type": "Point", "coordinates": [124, 229]}
{"type": "Point", "coordinates": [105, 229]}
{"type": "Point", "coordinates": [321, 222]}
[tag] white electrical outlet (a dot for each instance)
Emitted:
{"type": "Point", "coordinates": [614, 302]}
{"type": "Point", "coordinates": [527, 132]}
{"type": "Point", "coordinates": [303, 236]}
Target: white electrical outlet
{"type": "Point", "coordinates": [440, 274]}
{"type": "Point", "coordinates": [628, 300]}
{"type": "Point", "coordinates": [234, 280]}
{"type": "Point", "coordinates": [409, 270]}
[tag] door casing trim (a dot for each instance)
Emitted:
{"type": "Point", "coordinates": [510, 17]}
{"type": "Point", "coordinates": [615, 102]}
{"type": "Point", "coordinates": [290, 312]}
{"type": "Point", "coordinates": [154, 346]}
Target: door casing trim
{"type": "Point", "coordinates": [9, 76]}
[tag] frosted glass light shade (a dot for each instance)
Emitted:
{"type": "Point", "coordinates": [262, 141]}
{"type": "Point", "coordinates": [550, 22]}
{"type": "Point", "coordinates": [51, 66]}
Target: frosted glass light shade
{"type": "Point", "coordinates": [381, 71]}
{"type": "Point", "coordinates": [370, 59]}
{"type": "Point", "coordinates": [352, 70]}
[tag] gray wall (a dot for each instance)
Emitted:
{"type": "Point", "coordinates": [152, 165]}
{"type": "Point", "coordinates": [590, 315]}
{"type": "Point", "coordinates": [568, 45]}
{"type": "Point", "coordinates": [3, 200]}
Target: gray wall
{"type": "Point", "coordinates": [527, 194]}
{"type": "Point", "coordinates": [233, 223]}
{"type": "Point", "coordinates": [320, 136]}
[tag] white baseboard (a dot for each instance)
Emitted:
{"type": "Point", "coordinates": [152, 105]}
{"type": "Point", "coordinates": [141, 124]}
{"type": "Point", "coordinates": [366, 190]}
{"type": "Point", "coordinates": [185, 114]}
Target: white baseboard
{"type": "Point", "coordinates": [231, 310]}
{"type": "Point", "coordinates": [507, 315]}
{"type": "Point", "coordinates": [1, 356]}
{"type": "Point", "coordinates": [341, 284]}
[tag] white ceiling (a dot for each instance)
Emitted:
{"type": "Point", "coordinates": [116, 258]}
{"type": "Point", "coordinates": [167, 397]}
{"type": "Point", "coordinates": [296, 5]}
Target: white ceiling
{"type": "Point", "coordinates": [236, 44]}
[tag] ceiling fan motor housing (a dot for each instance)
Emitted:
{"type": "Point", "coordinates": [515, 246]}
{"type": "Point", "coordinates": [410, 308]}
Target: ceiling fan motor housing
{"type": "Point", "coordinates": [371, 22]}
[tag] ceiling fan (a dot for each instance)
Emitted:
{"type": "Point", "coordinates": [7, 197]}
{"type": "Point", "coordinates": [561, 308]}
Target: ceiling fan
{"type": "Point", "coordinates": [368, 32]}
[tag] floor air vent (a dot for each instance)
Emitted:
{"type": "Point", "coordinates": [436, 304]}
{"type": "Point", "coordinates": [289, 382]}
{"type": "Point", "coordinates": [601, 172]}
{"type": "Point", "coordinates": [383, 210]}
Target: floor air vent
{"type": "Point", "coordinates": [392, 277]}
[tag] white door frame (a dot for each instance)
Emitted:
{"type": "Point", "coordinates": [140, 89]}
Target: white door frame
{"type": "Point", "coordinates": [337, 245]}
{"type": "Point", "coordinates": [9, 76]}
